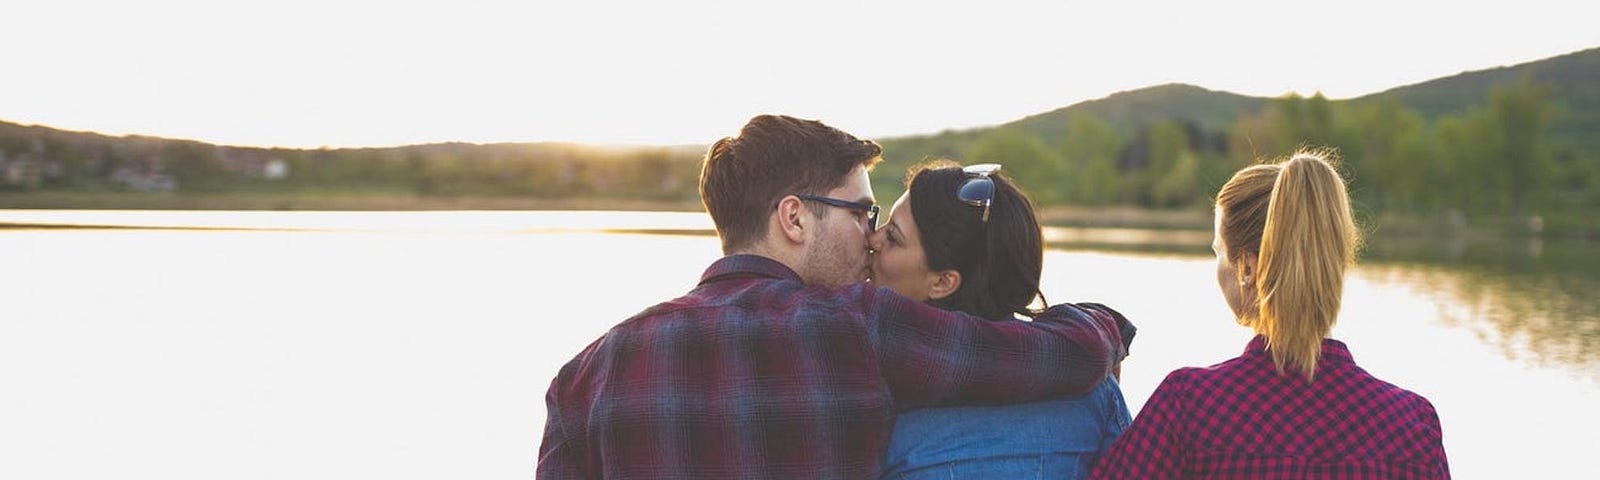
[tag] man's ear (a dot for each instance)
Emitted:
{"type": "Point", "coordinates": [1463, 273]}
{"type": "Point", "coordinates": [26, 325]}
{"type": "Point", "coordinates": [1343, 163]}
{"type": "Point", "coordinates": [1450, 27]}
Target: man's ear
{"type": "Point", "coordinates": [946, 283]}
{"type": "Point", "coordinates": [792, 219]}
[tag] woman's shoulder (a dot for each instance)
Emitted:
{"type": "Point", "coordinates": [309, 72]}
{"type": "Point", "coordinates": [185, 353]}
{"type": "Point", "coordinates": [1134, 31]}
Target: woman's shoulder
{"type": "Point", "coordinates": [1184, 380]}
{"type": "Point", "coordinates": [1189, 387]}
{"type": "Point", "coordinates": [1226, 370]}
{"type": "Point", "coordinates": [1395, 397]}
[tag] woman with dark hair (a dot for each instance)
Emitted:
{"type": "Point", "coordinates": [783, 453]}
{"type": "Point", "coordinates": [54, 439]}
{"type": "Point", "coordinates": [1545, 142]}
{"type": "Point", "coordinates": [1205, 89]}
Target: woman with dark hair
{"type": "Point", "coordinates": [967, 239]}
{"type": "Point", "coordinates": [1295, 404]}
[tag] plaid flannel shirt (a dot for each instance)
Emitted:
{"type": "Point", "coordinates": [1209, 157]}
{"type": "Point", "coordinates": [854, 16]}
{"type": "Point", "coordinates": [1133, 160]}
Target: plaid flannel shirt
{"type": "Point", "coordinates": [754, 374]}
{"type": "Point", "coordinates": [1240, 419]}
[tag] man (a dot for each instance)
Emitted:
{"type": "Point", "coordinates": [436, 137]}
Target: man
{"type": "Point", "coordinates": [782, 363]}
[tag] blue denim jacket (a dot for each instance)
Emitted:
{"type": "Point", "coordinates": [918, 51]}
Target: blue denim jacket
{"type": "Point", "coordinates": [1057, 439]}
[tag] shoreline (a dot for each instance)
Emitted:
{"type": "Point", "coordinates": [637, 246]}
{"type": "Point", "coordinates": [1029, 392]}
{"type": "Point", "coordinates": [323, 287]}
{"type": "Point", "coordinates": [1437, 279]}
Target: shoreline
{"type": "Point", "coordinates": [1067, 216]}
{"type": "Point", "coordinates": [1180, 219]}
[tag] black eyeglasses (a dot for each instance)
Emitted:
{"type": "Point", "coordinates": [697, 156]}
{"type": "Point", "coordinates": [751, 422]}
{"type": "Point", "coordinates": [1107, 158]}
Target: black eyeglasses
{"type": "Point", "coordinates": [978, 190]}
{"type": "Point", "coordinates": [872, 210]}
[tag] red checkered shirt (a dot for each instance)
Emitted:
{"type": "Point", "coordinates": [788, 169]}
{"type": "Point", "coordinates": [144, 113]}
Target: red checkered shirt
{"type": "Point", "coordinates": [754, 374]}
{"type": "Point", "coordinates": [1240, 419]}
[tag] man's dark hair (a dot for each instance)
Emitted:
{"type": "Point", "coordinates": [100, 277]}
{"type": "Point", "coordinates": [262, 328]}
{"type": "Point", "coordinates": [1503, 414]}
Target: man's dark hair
{"type": "Point", "coordinates": [1000, 260]}
{"type": "Point", "coordinates": [743, 177]}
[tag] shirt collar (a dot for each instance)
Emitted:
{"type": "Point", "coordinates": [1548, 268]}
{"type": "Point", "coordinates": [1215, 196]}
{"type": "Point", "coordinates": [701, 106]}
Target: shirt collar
{"type": "Point", "coordinates": [1332, 350]}
{"type": "Point", "coordinates": [740, 265]}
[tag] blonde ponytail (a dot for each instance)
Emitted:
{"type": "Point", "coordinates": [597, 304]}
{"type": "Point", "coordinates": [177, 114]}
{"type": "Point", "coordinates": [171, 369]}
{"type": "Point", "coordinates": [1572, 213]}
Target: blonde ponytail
{"type": "Point", "coordinates": [1307, 241]}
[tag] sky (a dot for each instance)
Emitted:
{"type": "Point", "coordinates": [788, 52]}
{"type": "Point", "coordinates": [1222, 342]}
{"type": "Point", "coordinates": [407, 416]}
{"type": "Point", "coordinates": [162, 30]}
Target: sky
{"type": "Point", "coordinates": [332, 73]}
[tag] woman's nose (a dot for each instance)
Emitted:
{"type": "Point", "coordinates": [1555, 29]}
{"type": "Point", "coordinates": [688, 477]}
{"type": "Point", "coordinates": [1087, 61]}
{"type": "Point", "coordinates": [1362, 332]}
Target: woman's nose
{"type": "Point", "coordinates": [875, 241]}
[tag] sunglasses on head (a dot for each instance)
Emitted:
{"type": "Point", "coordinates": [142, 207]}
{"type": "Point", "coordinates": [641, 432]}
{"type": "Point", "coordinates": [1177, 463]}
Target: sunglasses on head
{"type": "Point", "coordinates": [978, 190]}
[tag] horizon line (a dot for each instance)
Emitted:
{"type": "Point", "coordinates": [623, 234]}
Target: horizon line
{"type": "Point", "coordinates": [625, 145]}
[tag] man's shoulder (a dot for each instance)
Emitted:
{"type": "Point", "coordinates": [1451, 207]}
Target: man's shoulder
{"type": "Point", "coordinates": [760, 294]}
{"type": "Point", "coordinates": [740, 304]}
{"type": "Point", "coordinates": [770, 308]}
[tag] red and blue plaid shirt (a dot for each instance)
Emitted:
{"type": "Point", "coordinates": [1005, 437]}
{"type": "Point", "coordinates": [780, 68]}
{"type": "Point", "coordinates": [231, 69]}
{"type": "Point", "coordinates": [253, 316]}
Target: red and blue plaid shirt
{"type": "Point", "coordinates": [1240, 419]}
{"type": "Point", "coordinates": [754, 374]}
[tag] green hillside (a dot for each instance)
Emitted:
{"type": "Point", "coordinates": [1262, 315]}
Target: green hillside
{"type": "Point", "coordinates": [1128, 111]}
{"type": "Point", "coordinates": [1506, 141]}
{"type": "Point", "coordinates": [1128, 114]}
{"type": "Point", "coordinates": [1572, 82]}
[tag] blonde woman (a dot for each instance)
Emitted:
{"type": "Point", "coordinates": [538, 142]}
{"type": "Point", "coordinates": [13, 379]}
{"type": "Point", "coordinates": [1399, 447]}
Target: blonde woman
{"type": "Point", "coordinates": [1294, 405]}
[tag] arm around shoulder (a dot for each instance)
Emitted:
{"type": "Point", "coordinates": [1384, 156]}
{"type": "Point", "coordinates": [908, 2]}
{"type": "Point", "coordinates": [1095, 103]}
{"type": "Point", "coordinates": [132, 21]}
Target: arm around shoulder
{"type": "Point", "coordinates": [932, 356]}
{"type": "Point", "coordinates": [1110, 318]}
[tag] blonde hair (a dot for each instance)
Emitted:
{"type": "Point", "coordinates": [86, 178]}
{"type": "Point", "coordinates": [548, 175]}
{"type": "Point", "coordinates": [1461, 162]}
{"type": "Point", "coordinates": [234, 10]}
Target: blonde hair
{"type": "Point", "coordinates": [1295, 217]}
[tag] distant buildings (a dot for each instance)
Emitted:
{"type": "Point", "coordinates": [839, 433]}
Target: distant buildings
{"type": "Point", "coordinates": [143, 181]}
{"type": "Point", "coordinates": [32, 164]}
{"type": "Point", "coordinates": [275, 169]}
{"type": "Point", "coordinates": [23, 170]}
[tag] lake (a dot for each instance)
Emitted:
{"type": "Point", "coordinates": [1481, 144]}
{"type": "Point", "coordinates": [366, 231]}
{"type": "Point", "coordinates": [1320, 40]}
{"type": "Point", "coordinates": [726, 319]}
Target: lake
{"type": "Point", "coordinates": [418, 345]}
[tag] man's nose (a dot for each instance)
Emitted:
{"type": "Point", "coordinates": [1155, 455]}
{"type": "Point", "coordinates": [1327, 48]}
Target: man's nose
{"type": "Point", "coordinates": [875, 241]}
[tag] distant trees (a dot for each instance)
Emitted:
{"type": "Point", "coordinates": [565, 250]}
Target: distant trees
{"type": "Point", "coordinates": [1174, 167]}
{"type": "Point", "coordinates": [1038, 170]}
{"type": "Point", "coordinates": [1520, 116]}
{"type": "Point", "coordinates": [1496, 159]}
{"type": "Point", "coordinates": [1390, 152]}
{"type": "Point", "coordinates": [1089, 149]}
{"type": "Point", "coordinates": [51, 159]}
{"type": "Point", "coordinates": [193, 166]}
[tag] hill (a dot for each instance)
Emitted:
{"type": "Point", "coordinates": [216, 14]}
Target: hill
{"type": "Point", "coordinates": [1127, 112]}
{"type": "Point", "coordinates": [1571, 81]}
{"type": "Point", "coordinates": [1222, 129]}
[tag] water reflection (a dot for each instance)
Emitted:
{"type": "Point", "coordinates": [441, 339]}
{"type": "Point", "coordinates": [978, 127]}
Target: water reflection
{"type": "Point", "coordinates": [1533, 298]}
{"type": "Point", "coordinates": [1521, 254]}
{"type": "Point", "coordinates": [1549, 320]}
{"type": "Point", "coordinates": [298, 350]}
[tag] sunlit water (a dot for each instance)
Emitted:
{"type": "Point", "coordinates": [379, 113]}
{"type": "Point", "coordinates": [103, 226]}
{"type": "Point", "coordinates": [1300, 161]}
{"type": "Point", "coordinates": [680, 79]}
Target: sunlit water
{"type": "Point", "coordinates": [419, 345]}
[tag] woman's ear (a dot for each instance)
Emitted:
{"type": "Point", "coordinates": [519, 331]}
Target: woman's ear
{"type": "Point", "coordinates": [945, 282]}
{"type": "Point", "coordinates": [1247, 270]}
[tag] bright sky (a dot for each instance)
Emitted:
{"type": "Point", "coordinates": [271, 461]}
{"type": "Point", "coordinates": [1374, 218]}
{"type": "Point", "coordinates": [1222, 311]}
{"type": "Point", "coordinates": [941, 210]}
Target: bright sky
{"type": "Point", "coordinates": [377, 73]}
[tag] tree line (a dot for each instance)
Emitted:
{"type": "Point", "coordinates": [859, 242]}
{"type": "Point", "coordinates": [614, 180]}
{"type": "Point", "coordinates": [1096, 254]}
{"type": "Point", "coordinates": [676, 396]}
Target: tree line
{"type": "Point", "coordinates": [1494, 160]}
{"type": "Point", "coordinates": [48, 159]}
{"type": "Point", "coordinates": [1491, 161]}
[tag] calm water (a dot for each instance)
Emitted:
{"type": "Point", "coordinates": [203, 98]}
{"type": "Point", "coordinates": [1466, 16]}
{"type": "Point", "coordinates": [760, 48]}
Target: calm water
{"type": "Point", "coordinates": [419, 345]}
